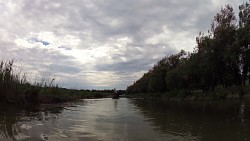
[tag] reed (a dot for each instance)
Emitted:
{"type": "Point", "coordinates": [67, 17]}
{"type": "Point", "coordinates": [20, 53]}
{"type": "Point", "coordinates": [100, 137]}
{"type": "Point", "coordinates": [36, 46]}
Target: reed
{"type": "Point", "coordinates": [14, 87]}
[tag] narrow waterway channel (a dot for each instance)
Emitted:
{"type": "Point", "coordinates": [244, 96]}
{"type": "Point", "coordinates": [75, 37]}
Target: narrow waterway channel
{"type": "Point", "coordinates": [126, 120]}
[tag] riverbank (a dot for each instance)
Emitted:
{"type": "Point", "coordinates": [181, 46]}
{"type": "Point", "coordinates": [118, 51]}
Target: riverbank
{"type": "Point", "coordinates": [220, 93]}
{"type": "Point", "coordinates": [29, 94]}
{"type": "Point", "coordinates": [15, 88]}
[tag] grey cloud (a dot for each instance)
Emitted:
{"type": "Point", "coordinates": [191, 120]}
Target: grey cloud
{"type": "Point", "coordinates": [65, 68]}
{"type": "Point", "coordinates": [65, 48]}
{"type": "Point", "coordinates": [138, 20]}
{"type": "Point", "coordinates": [136, 17]}
{"type": "Point", "coordinates": [132, 65]}
{"type": "Point", "coordinates": [137, 58]}
{"type": "Point", "coordinates": [75, 83]}
{"type": "Point", "coordinates": [41, 60]}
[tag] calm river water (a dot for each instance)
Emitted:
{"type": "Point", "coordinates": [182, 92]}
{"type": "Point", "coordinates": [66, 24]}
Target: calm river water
{"type": "Point", "coordinates": [126, 120]}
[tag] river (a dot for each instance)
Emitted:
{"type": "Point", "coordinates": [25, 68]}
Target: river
{"type": "Point", "coordinates": [126, 120]}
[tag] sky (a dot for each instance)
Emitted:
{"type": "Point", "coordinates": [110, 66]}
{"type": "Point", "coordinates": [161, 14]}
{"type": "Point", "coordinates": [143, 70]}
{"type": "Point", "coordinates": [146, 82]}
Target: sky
{"type": "Point", "coordinates": [99, 44]}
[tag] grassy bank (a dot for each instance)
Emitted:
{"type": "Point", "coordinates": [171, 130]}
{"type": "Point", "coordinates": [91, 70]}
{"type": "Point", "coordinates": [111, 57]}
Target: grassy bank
{"type": "Point", "coordinates": [14, 87]}
{"type": "Point", "coordinates": [220, 93]}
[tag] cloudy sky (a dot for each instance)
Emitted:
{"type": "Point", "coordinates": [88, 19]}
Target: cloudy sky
{"type": "Point", "coordinates": [99, 44]}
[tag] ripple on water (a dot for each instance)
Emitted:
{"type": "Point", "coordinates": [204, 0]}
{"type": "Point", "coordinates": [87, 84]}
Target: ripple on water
{"type": "Point", "coordinates": [44, 137]}
{"type": "Point", "coordinates": [26, 126]}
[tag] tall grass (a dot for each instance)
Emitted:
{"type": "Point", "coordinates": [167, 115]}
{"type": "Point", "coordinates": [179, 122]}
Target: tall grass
{"type": "Point", "coordinates": [14, 87]}
{"type": "Point", "coordinates": [11, 84]}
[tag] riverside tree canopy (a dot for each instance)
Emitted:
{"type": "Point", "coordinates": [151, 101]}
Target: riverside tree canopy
{"type": "Point", "coordinates": [221, 58]}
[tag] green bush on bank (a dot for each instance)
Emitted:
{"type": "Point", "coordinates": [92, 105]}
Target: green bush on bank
{"type": "Point", "coordinates": [219, 93]}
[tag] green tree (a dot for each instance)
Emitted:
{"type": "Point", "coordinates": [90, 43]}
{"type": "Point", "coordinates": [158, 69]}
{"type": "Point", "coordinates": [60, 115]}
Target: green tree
{"type": "Point", "coordinates": [220, 58]}
{"type": "Point", "coordinates": [225, 47]}
{"type": "Point", "coordinates": [202, 64]}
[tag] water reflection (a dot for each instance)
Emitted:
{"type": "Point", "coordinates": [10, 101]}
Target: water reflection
{"type": "Point", "coordinates": [242, 113]}
{"type": "Point", "coordinates": [198, 121]}
{"type": "Point", "coordinates": [115, 103]}
{"type": "Point", "coordinates": [17, 120]}
{"type": "Point", "coordinates": [126, 120]}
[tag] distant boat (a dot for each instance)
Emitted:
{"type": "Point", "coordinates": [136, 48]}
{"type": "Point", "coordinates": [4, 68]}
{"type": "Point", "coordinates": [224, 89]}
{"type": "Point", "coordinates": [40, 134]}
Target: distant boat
{"type": "Point", "coordinates": [115, 95]}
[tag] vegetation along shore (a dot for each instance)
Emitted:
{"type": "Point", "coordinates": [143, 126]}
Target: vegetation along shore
{"type": "Point", "coordinates": [15, 88]}
{"type": "Point", "coordinates": [218, 67]}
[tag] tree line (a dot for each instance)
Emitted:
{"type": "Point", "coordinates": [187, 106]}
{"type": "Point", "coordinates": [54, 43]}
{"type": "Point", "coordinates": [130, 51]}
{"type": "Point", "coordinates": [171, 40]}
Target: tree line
{"type": "Point", "coordinates": [221, 58]}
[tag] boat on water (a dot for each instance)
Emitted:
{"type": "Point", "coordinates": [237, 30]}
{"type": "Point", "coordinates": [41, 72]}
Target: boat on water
{"type": "Point", "coordinates": [115, 95]}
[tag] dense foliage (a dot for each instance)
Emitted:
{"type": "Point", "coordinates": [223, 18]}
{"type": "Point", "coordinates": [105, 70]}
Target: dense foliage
{"type": "Point", "coordinates": [221, 58]}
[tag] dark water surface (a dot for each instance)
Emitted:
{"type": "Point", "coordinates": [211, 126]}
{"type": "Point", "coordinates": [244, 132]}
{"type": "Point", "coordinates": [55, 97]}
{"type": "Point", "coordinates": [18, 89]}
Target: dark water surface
{"type": "Point", "coordinates": [126, 120]}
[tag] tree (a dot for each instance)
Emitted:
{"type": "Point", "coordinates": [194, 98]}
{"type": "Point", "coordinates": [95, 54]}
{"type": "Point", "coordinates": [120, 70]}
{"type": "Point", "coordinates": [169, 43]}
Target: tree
{"type": "Point", "coordinates": [221, 58]}
{"type": "Point", "coordinates": [202, 64]}
{"type": "Point", "coordinates": [227, 52]}
{"type": "Point", "coordinates": [244, 40]}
